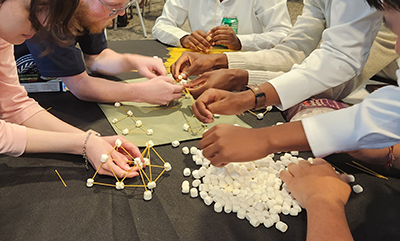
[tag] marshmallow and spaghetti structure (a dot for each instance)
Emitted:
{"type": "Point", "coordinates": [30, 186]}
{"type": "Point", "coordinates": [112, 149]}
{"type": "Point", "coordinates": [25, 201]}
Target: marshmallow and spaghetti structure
{"type": "Point", "coordinates": [138, 126]}
{"type": "Point", "coordinates": [148, 179]}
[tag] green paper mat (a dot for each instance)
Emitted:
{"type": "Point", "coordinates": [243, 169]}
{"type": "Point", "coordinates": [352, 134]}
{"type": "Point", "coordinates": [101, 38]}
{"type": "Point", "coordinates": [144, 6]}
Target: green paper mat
{"type": "Point", "coordinates": [165, 121]}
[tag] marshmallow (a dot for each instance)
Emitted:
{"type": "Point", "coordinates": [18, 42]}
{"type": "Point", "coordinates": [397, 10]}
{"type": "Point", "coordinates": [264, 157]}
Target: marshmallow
{"type": "Point", "coordinates": [281, 226]}
{"type": "Point", "coordinates": [149, 132]}
{"type": "Point", "coordinates": [185, 150]}
{"type": "Point", "coordinates": [260, 116]}
{"type": "Point", "coordinates": [193, 150]}
{"type": "Point", "coordinates": [194, 192]}
{"type": "Point", "coordinates": [146, 161]}
{"type": "Point", "coordinates": [151, 185]}
{"type": "Point", "coordinates": [104, 158]}
{"type": "Point", "coordinates": [129, 112]}
{"type": "Point", "coordinates": [196, 183]}
{"type": "Point", "coordinates": [175, 143]}
{"type": "Point", "coordinates": [138, 123]}
{"type": "Point", "coordinates": [150, 143]}
{"type": "Point", "coordinates": [115, 120]}
{"type": "Point", "coordinates": [118, 142]}
{"type": "Point", "coordinates": [119, 185]}
{"type": "Point", "coordinates": [185, 127]}
{"type": "Point", "coordinates": [167, 166]}
{"type": "Point", "coordinates": [294, 153]}
{"type": "Point", "coordinates": [117, 104]}
{"type": "Point", "coordinates": [187, 172]}
{"type": "Point", "coordinates": [241, 213]}
{"type": "Point", "coordinates": [218, 207]}
{"type": "Point", "coordinates": [89, 182]}
{"type": "Point", "coordinates": [147, 195]}
{"type": "Point", "coordinates": [125, 131]}
{"type": "Point", "coordinates": [351, 178]}
{"type": "Point", "coordinates": [357, 188]}
{"type": "Point", "coordinates": [180, 77]}
{"type": "Point", "coordinates": [216, 115]}
{"type": "Point", "coordinates": [208, 200]}
{"type": "Point", "coordinates": [269, 108]}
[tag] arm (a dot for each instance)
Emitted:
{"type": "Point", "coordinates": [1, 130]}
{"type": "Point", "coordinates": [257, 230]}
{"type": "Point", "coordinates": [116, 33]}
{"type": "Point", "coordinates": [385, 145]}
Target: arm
{"type": "Point", "coordinates": [159, 90]}
{"type": "Point", "coordinates": [167, 27]}
{"type": "Point", "coordinates": [319, 190]}
{"type": "Point", "coordinates": [109, 62]}
{"type": "Point", "coordinates": [274, 19]}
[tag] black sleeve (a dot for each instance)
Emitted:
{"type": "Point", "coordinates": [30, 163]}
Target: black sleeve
{"type": "Point", "coordinates": [92, 43]}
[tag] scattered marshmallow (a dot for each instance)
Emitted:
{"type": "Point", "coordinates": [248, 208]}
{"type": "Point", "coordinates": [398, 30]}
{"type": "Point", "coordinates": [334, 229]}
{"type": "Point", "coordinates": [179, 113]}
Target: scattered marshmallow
{"type": "Point", "coordinates": [149, 132]}
{"type": "Point", "coordinates": [175, 143]}
{"type": "Point", "coordinates": [281, 226]}
{"type": "Point", "coordinates": [89, 182]}
{"type": "Point", "coordinates": [167, 166]}
{"type": "Point", "coordinates": [351, 178]}
{"type": "Point", "coordinates": [294, 153]}
{"type": "Point", "coordinates": [125, 131]}
{"type": "Point", "coordinates": [147, 195]}
{"type": "Point", "coordinates": [104, 158]}
{"type": "Point", "coordinates": [216, 115]}
{"type": "Point", "coordinates": [185, 187]}
{"type": "Point", "coordinates": [118, 142]}
{"type": "Point", "coordinates": [186, 172]}
{"type": "Point", "coordinates": [194, 192]}
{"type": "Point", "coordinates": [358, 188]}
{"type": "Point", "coordinates": [185, 150]}
{"type": "Point", "coordinates": [193, 150]}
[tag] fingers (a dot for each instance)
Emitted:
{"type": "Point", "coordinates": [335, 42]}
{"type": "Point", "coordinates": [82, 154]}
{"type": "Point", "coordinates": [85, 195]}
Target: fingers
{"type": "Point", "coordinates": [196, 92]}
{"type": "Point", "coordinates": [199, 80]}
{"type": "Point", "coordinates": [200, 108]}
{"type": "Point", "coordinates": [285, 176]}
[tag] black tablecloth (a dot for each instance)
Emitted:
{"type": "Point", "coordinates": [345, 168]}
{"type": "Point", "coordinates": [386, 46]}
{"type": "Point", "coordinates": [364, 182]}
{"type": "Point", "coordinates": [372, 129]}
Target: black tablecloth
{"type": "Point", "coordinates": [35, 205]}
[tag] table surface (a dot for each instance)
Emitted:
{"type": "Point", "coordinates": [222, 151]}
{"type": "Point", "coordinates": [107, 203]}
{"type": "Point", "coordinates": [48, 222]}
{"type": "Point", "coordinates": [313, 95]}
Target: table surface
{"type": "Point", "coordinates": [34, 204]}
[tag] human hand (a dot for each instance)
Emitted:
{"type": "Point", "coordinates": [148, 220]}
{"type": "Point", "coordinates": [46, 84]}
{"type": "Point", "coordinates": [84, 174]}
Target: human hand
{"type": "Point", "coordinates": [117, 160]}
{"type": "Point", "coordinates": [214, 101]}
{"type": "Point", "coordinates": [225, 79]}
{"type": "Point", "coordinates": [160, 90]}
{"type": "Point", "coordinates": [196, 41]}
{"type": "Point", "coordinates": [226, 143]}
{"type": "Point", "coordinates": [194, 64]}
{"type": "Point", "coordinates": [224, 35]}
{"type": "Point", "coordinates": [150, 67]}
{"type": "Point", "coordinates": [315, 182]}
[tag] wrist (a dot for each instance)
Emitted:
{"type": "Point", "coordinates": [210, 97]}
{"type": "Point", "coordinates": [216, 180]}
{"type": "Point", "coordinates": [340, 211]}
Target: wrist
{"type": "Point", "coordinates": [259, 97]}
{"type": "Point", "coordinates": [182, 40]}
{"type": "Point", "coordinates": [220, 61]}
{"type": "Point", "coordinates": [241, 77]}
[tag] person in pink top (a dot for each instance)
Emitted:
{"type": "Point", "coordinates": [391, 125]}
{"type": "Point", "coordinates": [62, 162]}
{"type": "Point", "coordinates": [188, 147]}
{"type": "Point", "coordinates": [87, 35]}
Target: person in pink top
{"type": "Point", "coordinates": [25, 127]}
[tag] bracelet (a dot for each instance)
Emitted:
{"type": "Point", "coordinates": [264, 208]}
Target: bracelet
{"type": "Point", "coordinates": [84, 150]}
{"type": "Point", "coordinates": [391, 158]}
{"type": "Point", "coordinates": [260, 98]}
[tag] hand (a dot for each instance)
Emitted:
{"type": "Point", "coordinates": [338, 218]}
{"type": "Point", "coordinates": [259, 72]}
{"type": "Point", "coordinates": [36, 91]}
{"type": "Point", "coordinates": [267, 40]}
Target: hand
{"type": "Point", "coordinates": [214, 101]}
{"type": "Point", "coordinates": [225, 79]}
{"type": "Point", "coordinates": [160, 90]}
{"type": "Point", "coordinates": [196, 41]}
{"type": "Point", "coordinates": [194, 64]}
{"type": "Point", "coordinates": [150, 67]}
{"type": "Point", "coordinates": [224, 35]}
{"type": "Point", "coordinates": [97, 146]}
{"type": "Point", "coordinates": [315, 182]}
{"type": "Point", "coordinates": [226, 143]}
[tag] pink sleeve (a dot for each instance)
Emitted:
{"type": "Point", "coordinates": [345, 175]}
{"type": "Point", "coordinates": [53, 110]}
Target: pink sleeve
{"type": "Point", "coordinates": [15, 105]}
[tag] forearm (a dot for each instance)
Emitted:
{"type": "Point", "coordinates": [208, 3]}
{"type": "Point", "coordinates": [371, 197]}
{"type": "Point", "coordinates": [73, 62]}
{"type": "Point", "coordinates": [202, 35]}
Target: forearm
{"type": "Point", "coordinates": [327, 221]}
{"type": "Point", "coordinates": [40, 141]}
{"type": "Point", "coordinates": [43, 120]}
{"type": "Point", "coordinates": [286, 137]}
{"type": "Point", "coordinates": [109, 62]}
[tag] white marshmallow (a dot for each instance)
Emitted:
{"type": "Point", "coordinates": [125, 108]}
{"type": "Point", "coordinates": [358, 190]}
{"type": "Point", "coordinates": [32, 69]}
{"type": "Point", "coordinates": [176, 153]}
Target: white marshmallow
{"type": "Point", "coordinates": [149, 132]}
{"type": "Point", "coordinates": [125, 131]}
{"type": "Point", "coordinates": [294, 153]}
{"type": "Point", "coordinates": [195, 174]}
{"type": "Point", "coordinates": [117, 104]}
{"type": "Point", "coordinates": [208, 200]}
{"type": "Point", "coordinates": [193, 150]}
{"type": "Point", "coordinates": [129, 112]}
{"type": "Point", "coordinates": [260, 116]}
{"type": "Point", "coordinates": [151, 185]}
{"type": "Point", "coordinates": [351, 178]}
{"type": "Point", "coordinates": [185, 127]}
{"type": "Point", "coordinates": [138, 123]}
{"type": "Point", "coordinates": [185, 150]}
{"type": "Point", "coordinates": [119, 185]}
{"type": "Point", "coordinates": [146, 161]}
{"type": "Point", "coordinates": [196, 183]}
{"type": "Point", "coordinates": [115, 120]}
{"type": "Point", "coordinates": [281, 226]}
{"type": "Point", "coordinates": [241, 213]}
{"type": "Point", "coordinates": [185, 189]}
{"type": "Point", "coordinates": [104, 158]}
{"type": "Point", "coordinates": [175, 143]}
{"type": "Point", "coordinates": [269, 108]}
{"type": "Point", "coordinates": [358, 188]}
{"type": "Point", "coordinates": [150, 143]}
{"type": "Point", "coordinates": [147, 195]}
{"type": "Point", "coordinates": [167, 166]}
{"type": "Point", "coordinates": [186, 172]}
{"type": "Point", "coordinates": [89, 182]}
{"type": "Point", "coordinates": [194, 192]}
{"type": "Point", "coordinates": [216, 115]}
{"type": "Point", "coordinates": [118, 143]}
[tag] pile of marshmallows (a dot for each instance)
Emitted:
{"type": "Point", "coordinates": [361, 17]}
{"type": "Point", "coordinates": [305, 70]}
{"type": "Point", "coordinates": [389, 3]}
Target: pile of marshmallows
{"type": "Point", "coordinates": [252, 190]}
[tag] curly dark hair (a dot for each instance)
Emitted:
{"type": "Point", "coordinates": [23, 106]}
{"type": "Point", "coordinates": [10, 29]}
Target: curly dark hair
{"type": "Point", "coordinates": [380, 4]}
